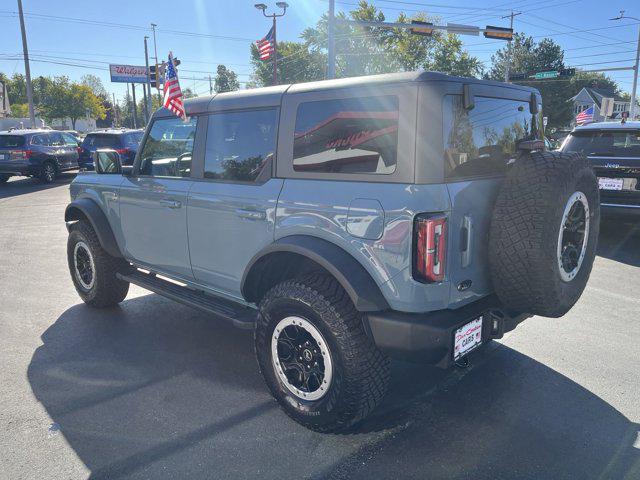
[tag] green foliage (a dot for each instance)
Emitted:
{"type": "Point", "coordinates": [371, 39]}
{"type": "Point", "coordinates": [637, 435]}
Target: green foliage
{"type": "Point", "coordinates": [226, 80]}
{"type": "Point", "coordinates": [20, 110]}
{"type": "Point", "coordinates": [529, 57]}
{"type": "Point", "coordinates": [296, 63]}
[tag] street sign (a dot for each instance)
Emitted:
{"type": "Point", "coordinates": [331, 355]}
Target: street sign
{"type": "Point", "coordinates": [606, 106]}
{"type": "Point", "coordinates": [128, 73]}
{"type": "Point", "coordinates": [543, 75]}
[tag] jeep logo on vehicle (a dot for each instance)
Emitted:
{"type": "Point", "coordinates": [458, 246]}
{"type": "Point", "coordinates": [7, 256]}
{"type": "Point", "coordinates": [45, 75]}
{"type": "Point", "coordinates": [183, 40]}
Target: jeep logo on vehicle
{"type": "Point", "coordinates": [612, 165]}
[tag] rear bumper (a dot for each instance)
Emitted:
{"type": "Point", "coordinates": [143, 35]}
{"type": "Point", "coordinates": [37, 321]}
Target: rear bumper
{"type": "Point", "coordinates": [429, 337]}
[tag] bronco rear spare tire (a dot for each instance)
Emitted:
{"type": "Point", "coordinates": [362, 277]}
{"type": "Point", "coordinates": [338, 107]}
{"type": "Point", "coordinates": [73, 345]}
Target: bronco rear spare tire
{"type": "Point", "coordinates": [544, 232]}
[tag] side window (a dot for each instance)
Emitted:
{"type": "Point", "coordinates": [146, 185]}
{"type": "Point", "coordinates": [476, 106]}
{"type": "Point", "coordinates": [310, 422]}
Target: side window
{"type": "Point", "coordinates": [168, 149]}
{"type": "Point", "coordinates": [241, 145]}
{"type": "Point", "coordinates": [56, 139]}
{"type": "Point", "coordinates": [70, 140]}
{"type": "Point", "coordinates": [353, 135]}
{"type": "Point", "coordinates": [42, 140]}
{"type": "Point", "coordinates": [482, 141]}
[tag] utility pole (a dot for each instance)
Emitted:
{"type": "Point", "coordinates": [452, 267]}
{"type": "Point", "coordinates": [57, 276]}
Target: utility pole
{"type": "Point", "coordinates": [155, 55]}
{"type": "Point", "coordinates": [274, 16]}
{"type": "Point", "coordinates": [331, 54]}
{"type": "Point", "coordinates": [27, 70]}
{"type": "Point", "coordinates": [508, 65]}
{"type": "Point", "coordinates": [147, 100]}
{"type": "Point", "coordinates": [636, 67]}
{"type": "Point", "coordinates": [135, 107]}
{"type": "Point", "coordinates": [210, 86]}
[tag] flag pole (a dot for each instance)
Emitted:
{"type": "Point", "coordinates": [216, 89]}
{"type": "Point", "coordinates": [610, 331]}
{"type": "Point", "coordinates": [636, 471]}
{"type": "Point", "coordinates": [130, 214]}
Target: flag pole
{"type": "Point", "coordinates": [275, 53]}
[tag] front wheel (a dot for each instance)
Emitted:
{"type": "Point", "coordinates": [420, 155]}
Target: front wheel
{"type": "Point", "coordinates": [94, 271]}
{"type": "Point", "coordinates": [316, 359]}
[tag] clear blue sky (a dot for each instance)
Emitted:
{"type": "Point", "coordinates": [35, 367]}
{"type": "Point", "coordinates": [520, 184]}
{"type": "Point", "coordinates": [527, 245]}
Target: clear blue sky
{"type": "Point", "coordinates": [204, 33]}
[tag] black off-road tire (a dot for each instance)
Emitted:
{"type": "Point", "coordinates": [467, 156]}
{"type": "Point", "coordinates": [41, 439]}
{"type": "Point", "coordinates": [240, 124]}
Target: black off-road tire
{"type": "Point", "coordinates": [360, 370]}
{"type": "Point", "coordinates": [107, 290]}
{"type": "Point", "coordinates": [525, 230]}
{"type": "Point", "coordinates": [48, 172]}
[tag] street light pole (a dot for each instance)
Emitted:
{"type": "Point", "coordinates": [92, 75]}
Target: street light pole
{"type": "Point", "coordinates": [508, 65]}
{"type": "Point", "coordinates": [262, 7]}
{"type": "Point", "coordinates": [147, 103]}
{"type": "Point", "coordinates": [636, 67]}
{"type": "Point", "coordinates": [27, 70]}
{"type": "Point", "coordinates": [331, 48]}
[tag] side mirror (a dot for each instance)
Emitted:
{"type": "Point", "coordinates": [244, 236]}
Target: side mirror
{"type": "Point", "coordinates": [107, 161]}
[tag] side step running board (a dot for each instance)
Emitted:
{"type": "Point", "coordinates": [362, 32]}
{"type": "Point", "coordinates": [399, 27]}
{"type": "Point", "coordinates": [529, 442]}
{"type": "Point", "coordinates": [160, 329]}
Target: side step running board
{"type": "Point", "coordinates": [241, 316]}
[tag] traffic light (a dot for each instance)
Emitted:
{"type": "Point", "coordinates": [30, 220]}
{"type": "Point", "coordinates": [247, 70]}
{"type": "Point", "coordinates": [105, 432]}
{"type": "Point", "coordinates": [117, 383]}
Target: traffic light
{"type": "Point", "coordinates": [423, 28]}
{"type": "Point", "coordinates": [499, 33]}
{"type": "Point", "coordinates": [153, 75]}
{"type": "Point", "coordinates": [567, 72]}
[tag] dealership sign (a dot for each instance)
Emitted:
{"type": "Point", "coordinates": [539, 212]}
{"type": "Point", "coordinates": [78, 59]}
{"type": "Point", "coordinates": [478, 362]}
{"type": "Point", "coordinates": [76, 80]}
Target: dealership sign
{"type": "Point", "coordinates": [128, 73]}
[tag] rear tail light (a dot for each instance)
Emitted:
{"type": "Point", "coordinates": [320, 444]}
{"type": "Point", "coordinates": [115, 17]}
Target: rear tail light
{"type": "Point", "coordinates": [122, 151]}
{"type": "Point", "coordinates": [79, 150]}
{"type": "Point", "coordinates": [21, 154]}
{"type": "Point", "coordinates": [430, 248]}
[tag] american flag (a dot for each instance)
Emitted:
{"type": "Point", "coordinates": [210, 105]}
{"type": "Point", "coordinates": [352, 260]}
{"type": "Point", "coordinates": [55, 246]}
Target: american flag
{"type": "Point", "coordinates": [585, 116]}
{"type": "Point", "coordinates": [266, 46]}
{"type": "Point", "coordinates": [172, 92]}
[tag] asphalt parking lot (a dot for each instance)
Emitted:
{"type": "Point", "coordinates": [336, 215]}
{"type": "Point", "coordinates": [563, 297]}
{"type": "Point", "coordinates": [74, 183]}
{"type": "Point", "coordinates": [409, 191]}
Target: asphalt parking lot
{"type": "Point", "coordinates": [153, 389]}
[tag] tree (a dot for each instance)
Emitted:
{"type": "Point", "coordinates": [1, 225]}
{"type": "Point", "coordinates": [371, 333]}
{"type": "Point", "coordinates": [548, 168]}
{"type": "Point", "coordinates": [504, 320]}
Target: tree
{"type": "Point", "coordinates": [226, 80]}
{"type": "Point", "coordinates": [296, 63]}
{"type": "Point", "coordinates": [20, 110]}
{"type": "Point", "coordinates": [96, 86]}
{"type": "Point", "coordinates": [529, 57]}
{"type": "Point", "coordinates": [82, 102]}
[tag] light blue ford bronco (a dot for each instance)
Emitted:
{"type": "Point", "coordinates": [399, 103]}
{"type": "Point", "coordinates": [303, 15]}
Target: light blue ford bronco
{"type": "Point", "coordinates": [413, 216]}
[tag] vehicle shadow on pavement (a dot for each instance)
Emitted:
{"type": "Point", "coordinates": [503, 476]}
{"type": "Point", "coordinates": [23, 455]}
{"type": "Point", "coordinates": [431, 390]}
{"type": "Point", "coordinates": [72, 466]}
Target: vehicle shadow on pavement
{"type": "Point", "coordinates": [22, 185]}
{"type": "Point", "coordinates": [157, 390]}
{"type": "Point", "coordinates": [620, 239]}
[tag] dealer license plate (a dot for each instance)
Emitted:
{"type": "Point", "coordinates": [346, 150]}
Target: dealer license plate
{"type": "Point", "coordinates": [467, 337]}
{"type": "Point", "coordinates": [4, 157]}
{"type": "Point", "coordinates": [610, 183]}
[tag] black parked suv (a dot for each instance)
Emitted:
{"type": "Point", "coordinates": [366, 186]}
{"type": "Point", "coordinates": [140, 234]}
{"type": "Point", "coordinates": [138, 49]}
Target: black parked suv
{"type": "Point", "coordinates": [123, 141]}
{"type": "Point", "coordinates": [37, 153]}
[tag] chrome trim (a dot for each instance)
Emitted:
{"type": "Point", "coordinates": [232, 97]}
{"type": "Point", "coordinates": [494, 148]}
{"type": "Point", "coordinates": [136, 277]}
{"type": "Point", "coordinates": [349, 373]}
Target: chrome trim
{"type": "Point", "coordinates": [618, 205]}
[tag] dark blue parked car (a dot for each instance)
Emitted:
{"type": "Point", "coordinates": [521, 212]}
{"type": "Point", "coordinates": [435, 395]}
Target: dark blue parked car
{"type": "Point", "coordinates": [124, 141]}
{"type": "Point", "coordinates": [37, 153]}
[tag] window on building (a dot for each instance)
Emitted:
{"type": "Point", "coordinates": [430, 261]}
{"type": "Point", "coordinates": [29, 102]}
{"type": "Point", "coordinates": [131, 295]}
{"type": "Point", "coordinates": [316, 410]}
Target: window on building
{"type": "Point", "coordinates": [241, 145]}
{"type": "Point", "coordinates": [483, 140]}
{"type": "Point", "coordinates": [352, 135]}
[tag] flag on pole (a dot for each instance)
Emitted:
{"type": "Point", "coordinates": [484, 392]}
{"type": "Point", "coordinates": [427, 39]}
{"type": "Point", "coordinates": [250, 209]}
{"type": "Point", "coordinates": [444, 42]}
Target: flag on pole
{"type": "Point", "coordinates": [172, 91]}
{"type": "Point", "coordinates": [585, 116]}
{"type": "Point", "coordinates": [266, 46]}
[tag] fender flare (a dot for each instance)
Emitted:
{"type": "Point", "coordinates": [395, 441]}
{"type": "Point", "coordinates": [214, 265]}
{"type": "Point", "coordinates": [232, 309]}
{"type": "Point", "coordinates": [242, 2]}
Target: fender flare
{"type": "Point", "coordinates": [92, 211]}
{"type": "Point", "coordinates": [352, 276]}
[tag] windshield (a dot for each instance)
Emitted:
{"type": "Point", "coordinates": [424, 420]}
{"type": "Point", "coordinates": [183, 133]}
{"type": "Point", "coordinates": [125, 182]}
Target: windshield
{"type": "Point", "coordinates": [621, 143]}
{"type": "Point", "coordinates": [11, 141]}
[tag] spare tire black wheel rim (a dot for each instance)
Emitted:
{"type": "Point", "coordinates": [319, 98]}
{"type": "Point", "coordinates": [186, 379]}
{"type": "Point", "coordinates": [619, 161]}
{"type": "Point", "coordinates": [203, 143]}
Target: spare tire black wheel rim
{"type": "Point", "coordinates": [84, 267]}
{"type": "Point", "coordinates": [574, 236]}
{"type": "Point", "coordinates": [301, 358]}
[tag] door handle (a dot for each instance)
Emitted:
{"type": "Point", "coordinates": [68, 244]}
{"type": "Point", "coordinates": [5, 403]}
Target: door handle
{"type": "Point", "coordinates": [171, 203]}
{"type": "Point", "coordinates": [113, 196]}
{"type": "Point", "coordinates": [251, 214]}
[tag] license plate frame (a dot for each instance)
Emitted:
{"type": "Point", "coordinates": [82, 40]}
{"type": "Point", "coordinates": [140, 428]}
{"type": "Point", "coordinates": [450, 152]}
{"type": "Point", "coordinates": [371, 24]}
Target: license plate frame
{"type": "Point", "coordinates": [467, 338]}
{"type": "Point", "coordinates": [608, 183]}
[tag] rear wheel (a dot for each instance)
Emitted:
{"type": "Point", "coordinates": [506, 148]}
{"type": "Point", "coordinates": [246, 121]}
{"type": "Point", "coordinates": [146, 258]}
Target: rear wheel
{"type": "Point", "coordinates": [316, 359]}
{"type": "Point", "coordinates": [93, 270]}
{"type": "Point", "coordinates": [48, 172]}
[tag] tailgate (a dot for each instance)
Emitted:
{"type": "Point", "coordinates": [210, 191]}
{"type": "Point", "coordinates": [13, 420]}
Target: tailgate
{"type": "Point", "coordinates": [468, 254]}
{"type": "Point", "coordinates": [618, 178]}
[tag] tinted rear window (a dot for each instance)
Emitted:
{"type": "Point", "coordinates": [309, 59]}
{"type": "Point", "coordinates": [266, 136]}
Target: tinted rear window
{"type": "Point", "coordinates": [352, 135]}
{"type": "Point", "coordinates": [133, 138]}
{"type": "Point", "coordinates": [621, 143]}
{"type": "Point", "coordinates": [482, 141]}
{"type": "Point", "coordinates": [101, 141]}
{"type": "Point", "coordinates": [11, 141]}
